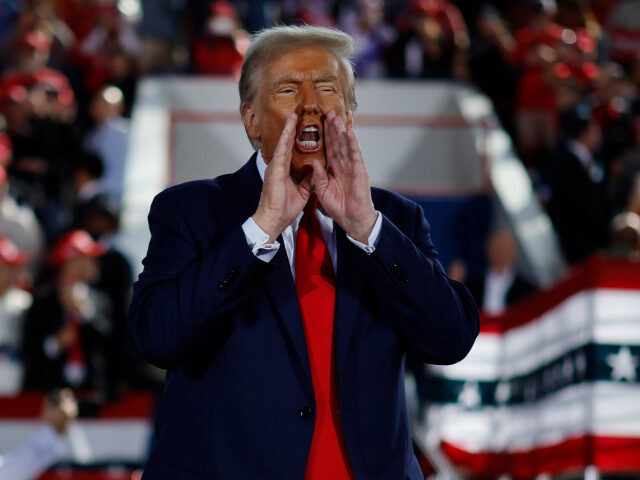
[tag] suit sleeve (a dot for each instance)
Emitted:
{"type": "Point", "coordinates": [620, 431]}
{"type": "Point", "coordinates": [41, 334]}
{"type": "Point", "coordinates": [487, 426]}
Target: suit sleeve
{"type": "Point", "coordinates": [434, 315]}
{"type": "Point", "coordinates": [184, 293]}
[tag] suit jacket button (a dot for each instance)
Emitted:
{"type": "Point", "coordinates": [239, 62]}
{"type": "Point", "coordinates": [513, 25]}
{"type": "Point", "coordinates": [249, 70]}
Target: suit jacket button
{"type": "Point", "coordinates": [306, 412]}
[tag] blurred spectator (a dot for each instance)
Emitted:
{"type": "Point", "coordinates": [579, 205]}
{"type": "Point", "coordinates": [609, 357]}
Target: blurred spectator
{"type": "Point", "coordinates": [87, 173]}
{"type": "Point", "coordinates": [47, 446]}
{"type": "Point", "coordinates": [578, 205]}
{"type": "Point", "coordinates": [501, 285]}
{"type": "Point", "coordinates": [624, 31]}
{"type": "Point", "coordinates": [611, 101]}
{"type": "Point", "coordinates": [625, 236]}
{"type": "Point", "coordinates": [41, 16]}
{"type": "Point", "coordinates": [99, 217]}
{"type": "Point", "coordinates": [81, 16]}
{"type": "Point", "coordinates": [109, 139]}
{"type": "Point", "coordinates": [372, 37]}
{"type": "Point", "coordinates": [32, 54]}
{"type": "Point", "coordinates": [488, 64]}
{"type": "Point", "coordinates": [577, 15]}
{"type": "Point", "coordinates": [68, 325]}
{"type": "Point", "coordinates": [432, 42]}
{"type": "Point", "coordinates": [575, 56]}
{"type": "Point", "coordinates": [159, 32]}
{"type": "Point", "coordinates": [107, 53]}
{"type": "Point", "coordinates": [310, 12]}
{"type": "Point", "coordinates": [534, 55]}
{"type": "Point", "coordinates": [39, 106]}
{"type": "Point", "coordinates": [220, 48]}
{"type": "Point", "coordinates": [14, 301]}
{"type": "Point", "coordinates": [19, 224]}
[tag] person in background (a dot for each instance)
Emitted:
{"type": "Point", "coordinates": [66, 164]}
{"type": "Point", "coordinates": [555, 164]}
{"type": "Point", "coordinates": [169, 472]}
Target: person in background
{"type": "Point", "coordinates": [372, 37]}
{"type": "Point", "coordinates": [47, 446]}
{"type": "Point", "coordinates": [109, 139]}
{"type": "Point", "coordinates": [578, 206]}
{"type": "Point", "coordinates": [108, 48]}
{"type": "Point", "coordinates": [432, 43]}
{"type": "Point", "coordinates": [221, 46]}
{"type": "Point", "coordinates": [87, 173]}
{"type": "Point", "coordinates": [501, 284]}
{"type": "Point", "coordinates": [67, 327]}
{"type": "Point", "coordinates": [14, 302]}
{"type": "Point", "coordinates": [100, 218]}
{"type": "Point", "coordinates": [19, 223]}
{"type": "Point", "coordinates": [534, 56]}
{"type": "Point", "coordinates": [625, 237]}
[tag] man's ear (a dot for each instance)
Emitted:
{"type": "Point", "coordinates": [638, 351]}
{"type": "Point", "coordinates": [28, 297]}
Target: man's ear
{"type": "Point", "coordinates": [251, 121]}
{"type": "Point", "coordinates": [349, 121]}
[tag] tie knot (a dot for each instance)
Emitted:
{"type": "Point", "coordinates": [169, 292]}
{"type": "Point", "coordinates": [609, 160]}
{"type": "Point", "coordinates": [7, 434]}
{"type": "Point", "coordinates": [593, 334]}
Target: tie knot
{"type": "Point", "coordinates": [311, 205]}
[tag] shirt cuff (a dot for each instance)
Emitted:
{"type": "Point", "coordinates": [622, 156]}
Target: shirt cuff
{"type": "Point", "coordinates": [257, 241]}
{"type": "Point", "coordinates": [373, 237]}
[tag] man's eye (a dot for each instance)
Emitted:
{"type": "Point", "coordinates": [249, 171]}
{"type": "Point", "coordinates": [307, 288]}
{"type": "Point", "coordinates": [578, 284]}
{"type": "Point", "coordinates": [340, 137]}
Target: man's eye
{"type": "Point", "coordinates": [326, 89]}
{"type": "Point", "coordinates": [287, 90]}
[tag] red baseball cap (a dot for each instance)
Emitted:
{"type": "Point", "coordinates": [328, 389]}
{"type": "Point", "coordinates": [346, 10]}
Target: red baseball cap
{"type": "Point", "coordinates": [9, 253]}
{"type": "Point", "coordinates": [222, 8]}
{"type": "Point", "coordinates": [74, 244]}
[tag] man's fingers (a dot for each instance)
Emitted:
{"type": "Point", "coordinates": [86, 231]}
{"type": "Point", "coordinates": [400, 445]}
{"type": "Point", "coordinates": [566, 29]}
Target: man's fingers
{"type": "Point", "coordinates": [282, 153]}
{"type": "Point", "coordinates": [354, 147]}
{"type": "Point", "coordinates": [338, 124]}
{"type": "Point", "coordinates": [305, 187]}
{"type": "Point", "coordinates": [320, 178]}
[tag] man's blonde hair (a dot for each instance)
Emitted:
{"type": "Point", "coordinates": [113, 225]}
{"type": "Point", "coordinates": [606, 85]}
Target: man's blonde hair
{"type": "Point", "coordinates": [281, 39]}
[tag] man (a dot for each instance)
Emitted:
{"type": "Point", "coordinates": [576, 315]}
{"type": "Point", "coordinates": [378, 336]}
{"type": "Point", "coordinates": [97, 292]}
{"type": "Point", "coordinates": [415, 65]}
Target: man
{"type": "Point", "coordinates": [48, 444]}
{"type": "Point", "coordinates": [14, 302]}
{"type": "Point", "coordinates": [501, 285]}
{"type": "Point", "coordinates": [284, 329]}
{"type": "Point", "coordinates": [579, 204]}
{"type": "Point", "coordinates": [67, 328]}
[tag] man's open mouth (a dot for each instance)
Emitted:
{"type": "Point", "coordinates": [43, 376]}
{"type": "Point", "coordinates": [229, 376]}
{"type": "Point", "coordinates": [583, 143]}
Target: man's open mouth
{"type": "Point", "coordinates": [309, 139]}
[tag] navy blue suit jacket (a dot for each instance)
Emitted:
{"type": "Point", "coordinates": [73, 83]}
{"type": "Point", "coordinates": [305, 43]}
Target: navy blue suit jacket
{"type": "Point", "coordinates": [238, 402]}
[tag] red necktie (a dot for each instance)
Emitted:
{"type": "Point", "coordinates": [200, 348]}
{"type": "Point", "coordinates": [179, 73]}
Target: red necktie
{"type": "Point", "coordinates": [316, 288]}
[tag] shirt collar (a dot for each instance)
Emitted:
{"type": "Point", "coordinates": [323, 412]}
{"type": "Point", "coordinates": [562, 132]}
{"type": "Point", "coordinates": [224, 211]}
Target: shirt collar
{"type": "Point", "coordinates": [261, 164]}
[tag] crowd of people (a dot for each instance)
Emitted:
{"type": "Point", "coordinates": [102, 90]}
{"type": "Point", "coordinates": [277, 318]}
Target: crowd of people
{"type": "Point", "coordinates": [564, 78]}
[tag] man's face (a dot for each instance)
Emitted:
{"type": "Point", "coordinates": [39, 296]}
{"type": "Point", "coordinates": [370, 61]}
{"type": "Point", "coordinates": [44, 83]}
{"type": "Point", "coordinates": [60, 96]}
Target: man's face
{"type": "Point", "coordinates": [307, 81]}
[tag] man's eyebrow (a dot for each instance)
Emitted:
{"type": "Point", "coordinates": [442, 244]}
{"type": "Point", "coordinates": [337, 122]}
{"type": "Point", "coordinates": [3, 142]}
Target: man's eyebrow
{"type": "Point", "coordinates": [325, 78]}
{"type": "Point", "coordinates": [285, 80]}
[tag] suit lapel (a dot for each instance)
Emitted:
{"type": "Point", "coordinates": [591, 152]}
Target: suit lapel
{"type": "Point", "coordinates": [281, 289]}
{"type": "Point", "coordinates": [348, 290]}
{"type": "Point", "coordinates": [279, 284]}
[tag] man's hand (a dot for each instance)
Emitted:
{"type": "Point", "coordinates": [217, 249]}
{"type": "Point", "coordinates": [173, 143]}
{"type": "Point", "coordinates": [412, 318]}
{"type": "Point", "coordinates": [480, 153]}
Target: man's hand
{"type": "Point", "coordinates": [281, 200]}
{"type": "Point", "coordinates": [59, 409]}
{"type": "Point", "coordinates": [343, 187]}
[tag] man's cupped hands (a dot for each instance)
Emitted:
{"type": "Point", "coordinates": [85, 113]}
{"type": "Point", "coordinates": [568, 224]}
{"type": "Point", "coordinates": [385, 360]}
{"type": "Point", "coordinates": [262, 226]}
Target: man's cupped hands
{"type": "Point", "coordinates": [342, 186]}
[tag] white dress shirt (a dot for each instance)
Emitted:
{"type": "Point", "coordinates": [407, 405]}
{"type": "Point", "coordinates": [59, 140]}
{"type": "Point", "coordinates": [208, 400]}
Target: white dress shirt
{"type": "Point", "coordinates": [496, 287]}
{"type": "Point", "coordinates": [257, 238]}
